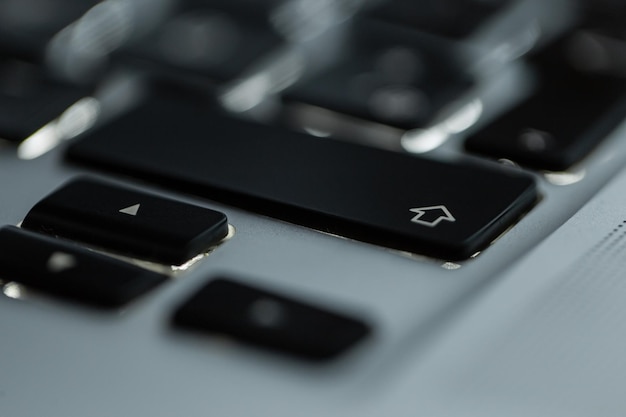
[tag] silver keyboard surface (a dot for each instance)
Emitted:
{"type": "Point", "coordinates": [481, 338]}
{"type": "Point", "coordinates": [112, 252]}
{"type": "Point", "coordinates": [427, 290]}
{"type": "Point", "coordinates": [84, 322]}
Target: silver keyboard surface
{"type": "Point", "coordinates": [519, 87]}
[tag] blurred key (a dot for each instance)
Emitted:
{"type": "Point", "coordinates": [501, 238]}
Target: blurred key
{"type": "Point", "coordinates": [30, 98]}
{"type": "Point", "coordinates": [27, 25]}
{"type": "Point", "coordinates": [388, 75]}
{"type": "Point", "coordinates": [605, 15]}
{"type": "Point", "coordinates": [580, 99]}
{"type": "Point", "coordinates": [213, 39]}
{"type": "Point", "coordinates": [451, 18]}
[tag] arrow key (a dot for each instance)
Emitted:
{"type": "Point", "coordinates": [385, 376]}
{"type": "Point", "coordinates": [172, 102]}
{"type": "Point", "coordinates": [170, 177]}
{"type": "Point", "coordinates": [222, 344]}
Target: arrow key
{"type": "Point", "coordinates": [59, 268]}
{"type": "Point", "coordinates": [127, 221]}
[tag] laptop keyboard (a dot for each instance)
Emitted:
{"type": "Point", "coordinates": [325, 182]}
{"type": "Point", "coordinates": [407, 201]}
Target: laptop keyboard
{"type": "Point", "coordinates": [304, 111]}
{"type": "Point", "coordinates": [389, 63]}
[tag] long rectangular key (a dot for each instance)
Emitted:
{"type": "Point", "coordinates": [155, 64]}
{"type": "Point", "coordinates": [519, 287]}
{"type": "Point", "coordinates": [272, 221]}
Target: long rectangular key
{"type": "Point", "coordinates": [445, 210]}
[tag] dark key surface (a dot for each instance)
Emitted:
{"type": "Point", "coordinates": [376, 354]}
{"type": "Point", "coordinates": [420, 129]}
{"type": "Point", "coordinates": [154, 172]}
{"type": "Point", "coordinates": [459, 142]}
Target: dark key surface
{"type": "Point", "coordinates": [389, 75]}
{"type": "Point", "coordinates": [30, 98]}
{"type": "Point", "coordinates": [127, 221]}
{"type": "Point", "coordinates": [62, 269]}
{"type": "Point", "coordinates": [452, 18]}
{"type": "Point", "coordinates": [27, 25]}
{"type": "Point", "coordinates": [337, 187]}
{"type": "Point", "coordinates": [216, 40]}
{"type": "Point", "coordinates": [566, 118]}
{"type": "Point", "coordinates": [269, 320]}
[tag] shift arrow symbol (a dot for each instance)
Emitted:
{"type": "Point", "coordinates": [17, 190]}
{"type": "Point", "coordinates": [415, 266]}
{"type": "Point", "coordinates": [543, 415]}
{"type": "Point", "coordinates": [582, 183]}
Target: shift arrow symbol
{"type": "Point", "coordinates": [431, 216]}
{"type": "Point", "coordinates": [131, 210]}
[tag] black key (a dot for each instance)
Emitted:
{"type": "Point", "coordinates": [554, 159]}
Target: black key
{"type": "Point", "coordinates": [26, 26]}
{"type": "Point", "coordinates": [30, 98]}
{"type": "Point", "coordinates": [59, 268]}
{"type": "Point", "coordinates": [269, 320]}
{"type": "Point", "coordinates": [451, 18]}
{"type": "Point", "coordinates": [127, 221]}
{"type": "Point", "coordinates": [337, 187]}
{"type": "Point", "coordinates": [389, 75]}
{"type": "Point", "coordinates": [209, 39]}
{"type": "Point", "coordinates": [605, 16]}
{"type": "Point", "coordinates": [570, 113]}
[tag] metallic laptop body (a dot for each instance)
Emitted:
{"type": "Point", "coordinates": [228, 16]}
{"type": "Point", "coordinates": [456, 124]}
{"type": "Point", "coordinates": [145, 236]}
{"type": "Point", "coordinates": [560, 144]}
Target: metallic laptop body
{"type": "Point", "coordinates": [531, 325]}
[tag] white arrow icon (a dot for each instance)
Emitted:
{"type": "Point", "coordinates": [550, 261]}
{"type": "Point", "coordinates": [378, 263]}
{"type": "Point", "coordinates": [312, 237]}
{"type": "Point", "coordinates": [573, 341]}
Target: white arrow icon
{"type": "Point", "coordinates": [431, 216]}
{"type": "Point", "coordinates": [60, 261]}
{"type": "Point", "coordinates": [131, 210]}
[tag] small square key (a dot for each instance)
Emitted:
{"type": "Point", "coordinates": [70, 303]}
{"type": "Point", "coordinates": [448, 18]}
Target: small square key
{"type": "Point", "coordinates": [67, 270]}
{"type": "Point", "coordinates": [207, 39]}
{"type": "Point", "coordinates": [389, 75]}
{"type": "Point", "coordinates": [127, 221]}
{"type": "Point", "coordinates": [570, 114]}
{"type": "Point", "coordinates": [270, 320]}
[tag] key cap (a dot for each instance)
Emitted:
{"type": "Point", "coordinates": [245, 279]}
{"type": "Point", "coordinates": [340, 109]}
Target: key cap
{"type": "Point", "coordinates": [337, 187]}
{"type": "Point", "coordinates": [217, 41]}
{"type": "Point", "coordinates": [63, 269]}
{"type": "Point", "coordinates": [269, 320]}
{"type": "Point", "coordinates": [389, 75]}
{"type": "Point", "coordinates": [127, 221]}
{"type": "Point", "coordinates": [27, 25]}
{"type": "Point", "coordinates": [452, 18]}
{"type": "Point", "coordinates": [566, 118]}
{"type": "Point", "coordinates": [29, 98]}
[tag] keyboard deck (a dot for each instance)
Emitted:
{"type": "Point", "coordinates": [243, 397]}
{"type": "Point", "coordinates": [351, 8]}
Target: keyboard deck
{"type": "Point", "coordinates": [195, 149]}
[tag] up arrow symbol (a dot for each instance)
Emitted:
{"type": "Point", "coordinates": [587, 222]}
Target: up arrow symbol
{"type": "Point", "coordinates": [131, 210]}
{"type": "Point", "coordinates": [431, 216]}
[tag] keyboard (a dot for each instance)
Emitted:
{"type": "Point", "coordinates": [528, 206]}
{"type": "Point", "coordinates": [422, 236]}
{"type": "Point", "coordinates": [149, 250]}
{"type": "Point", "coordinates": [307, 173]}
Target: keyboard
{"type": "Point", "coordinates": [285, 207]}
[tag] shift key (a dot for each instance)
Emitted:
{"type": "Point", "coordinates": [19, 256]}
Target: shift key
{"type": "Point", "coordinates": [439, 209]}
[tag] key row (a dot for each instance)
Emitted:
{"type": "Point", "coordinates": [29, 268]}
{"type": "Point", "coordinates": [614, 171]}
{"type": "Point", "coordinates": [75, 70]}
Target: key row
{"type": "Point", "coordinates": [385, 72]}
{"type": "Point", "coordinates": [444, 210]}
